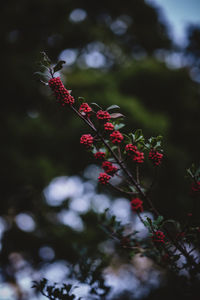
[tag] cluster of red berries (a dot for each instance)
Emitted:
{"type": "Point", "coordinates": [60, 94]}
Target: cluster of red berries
{"type": "Point", "coordinates": [103, 115]}
{"type": "Point", "coordinates": [195, 188]}
{"type": "Point", "coordinates": [85, 108]}
{"type": "Point", "coordinates": [158, 237]}
{"type": "Point", "coordinates": [137, 205]}
{"type": "Point", "coordinates": [130, 149]}
{"type": "Point", "coordinates": [108, 126]}
{"type": "Point", "coordinates": [104, 178]}
{"type": "Point", "coordinates": [116, 137]}
{"type": "Point", "coordinates": [60, 92]}
{"type": "Point", "coordinates": [99, 155]}
{"type": "Point", "coordinates": [109, 168]}
{"type": "Point", "coordinates": [138, 157]}
{"type": "Point", "coordinates": [134, 153]}
{"type": "Point", "coordinates": [156, 157]}
{"type": "Point", "coordinates": [86, 140]}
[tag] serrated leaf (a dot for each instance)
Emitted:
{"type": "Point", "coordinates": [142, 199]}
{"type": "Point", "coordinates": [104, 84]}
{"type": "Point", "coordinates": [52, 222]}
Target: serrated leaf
{"type": "Point", "coordinates": [116, 115]}
{"type": "Point", "coordinates": [112, 107]}
{"type": "Point", "coordinates": [59, 66]}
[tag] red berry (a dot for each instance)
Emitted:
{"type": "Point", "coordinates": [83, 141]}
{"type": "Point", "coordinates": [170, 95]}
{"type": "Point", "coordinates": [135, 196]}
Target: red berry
{"type": "Point", "coordinates": [195, 188]}
{"type": "Point", "coordinates": [60, 92]}
{"type": "Point", "coordinates": [87, 140]}
{"type": "Point", "coordinates": [109, 126]}
{"type": "Point", "coordinates": [116, 137]}
{"type": "Point", "coordinates": [158, 237]}
{"type": "Point", "coordinates": [85, 108]}
{"type": "Point", "coordinates": [104, 178]}
{"type": "Point", "coordinates": [109, 167]}
{"type": "Point", "coordinates": [134, 153]}
{"type": "Point", "coordinates": [99, 155]}
{"type": "Point", "coordinates": [130, 149]}
{"type": "Point", "coordinates": [156, 157]}
{"type": "Point", "coordinates": [103, 115]}
{"type": "Point", "coordinates": [138, 157]}
{"type": "Point", "coordinates": [136, 205]}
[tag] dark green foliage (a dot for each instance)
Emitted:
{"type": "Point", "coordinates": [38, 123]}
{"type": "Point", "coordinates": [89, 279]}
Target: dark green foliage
{"type": "Point", "coordinates": [53, 292]}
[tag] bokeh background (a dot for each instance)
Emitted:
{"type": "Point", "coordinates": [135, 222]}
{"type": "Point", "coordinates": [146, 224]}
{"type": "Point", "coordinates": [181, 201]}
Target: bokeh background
{"type": "Point", "coordinates": [141, 55]}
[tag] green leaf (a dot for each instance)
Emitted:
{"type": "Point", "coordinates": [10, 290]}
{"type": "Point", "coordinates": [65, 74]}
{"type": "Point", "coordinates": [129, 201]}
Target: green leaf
{"type": "Point", "coordinates": [114, 147]}
{"type": "Point", "coordinates": [95, 104]}
{"type": "Point", "coordinates": [149, 220]}
{"type": "Point", "coordinates": [158, 221]}
{"type": "Point", "coordinates": [146, 223]}
{"type": "Point", "coordinates": [159, 138]}
{"type": "Point", "coordinates": [133, 189]}
{"type": "Point", "coordinates": [147, 145]}
{"type": "Point", "coordinates": [175, 223]}
{"type": "Point", "coordinates": [119, 126]}
{"type": "Point", "coordinates": [59, 66]}
{"type": "Point", "coordinates": [190, 172]}
{"type": "Point", "coordinates": [81, 99]}
{"type": "Point", "coordinates": [112, 107]}
{"type": "Point", "coordinates": [138, 136]}
{"type": "Point", "coordinates": [45, 59]}
{"type": "Point", "coordinates": [40, 74]}
{"type": "Point", "coordinates": [138, 133]}
{"type": "Point", "coordinates": [116, 115]}
{"type": "Point", "coordinates": [132, 135]}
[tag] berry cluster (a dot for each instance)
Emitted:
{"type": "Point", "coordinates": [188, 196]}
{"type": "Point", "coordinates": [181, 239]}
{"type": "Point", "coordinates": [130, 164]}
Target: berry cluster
{"type": "Point", "coordinates": [134, 153]}
{"type": "Point", "coordinates": [130, 149]}
{"type": "Point", "coordinates": [136, 205]}
{"type": "Point", "coordinates": [156, 157]}
{"type": "Point", "coordinates": [158, 237]}
{"type": "Point", "coordinates": [138, 157]}
{"type": "Point", "coordinates": [86, 140]}
{"type": "Point", "coordinates": [109, 168]}
{"type": "Point", "coordinates": [103, 115]}
{"type": "Point", "coordinates": [195, 188]}
{"type": "Point", "coordinates": [104, 178]}
{"type": "Point", "coordinates": [108, 126]}
{"type": "Point", "coordinates": [116, 137]}
{"type": "Point", "coordinates": [60, 92]}
{"type": "Point", "coordinates": [99, 155]}
{"type": "Point", "coordinates": [85, 108]}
